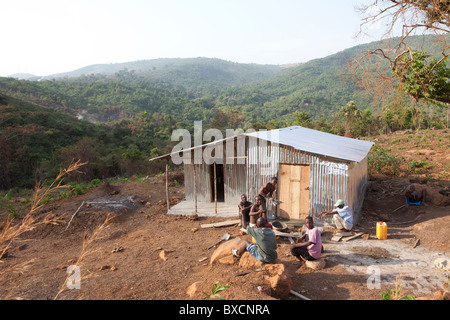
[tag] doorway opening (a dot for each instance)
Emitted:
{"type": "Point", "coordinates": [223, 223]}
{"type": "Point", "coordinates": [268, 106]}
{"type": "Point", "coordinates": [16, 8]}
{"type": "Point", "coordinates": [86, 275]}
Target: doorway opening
{"type": "Point", "coordinates": [219, 182]}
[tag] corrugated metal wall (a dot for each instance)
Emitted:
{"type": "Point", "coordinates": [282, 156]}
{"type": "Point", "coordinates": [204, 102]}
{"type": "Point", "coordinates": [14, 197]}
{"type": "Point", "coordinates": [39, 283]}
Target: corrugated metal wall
{"type": "Point", "coordinates": [202, 183]}
{"type": "Point", "coordinates": [357, 186]}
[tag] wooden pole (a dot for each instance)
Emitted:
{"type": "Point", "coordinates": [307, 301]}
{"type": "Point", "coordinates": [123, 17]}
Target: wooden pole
{"type": "Point", "coordinates": [215, 189]}
{"type": "Point", "coordinates": [167, 185]}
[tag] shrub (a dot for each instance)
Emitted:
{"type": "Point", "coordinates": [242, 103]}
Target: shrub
{"type": "Point", "coordinates": [383, 162]}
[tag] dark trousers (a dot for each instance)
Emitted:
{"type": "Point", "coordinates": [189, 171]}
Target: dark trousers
{"type": "Point", "coordinates": [302, 253]}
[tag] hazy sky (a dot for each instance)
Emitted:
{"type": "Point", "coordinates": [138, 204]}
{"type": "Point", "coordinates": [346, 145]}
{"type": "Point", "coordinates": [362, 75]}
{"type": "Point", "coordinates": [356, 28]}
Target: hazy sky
{"type": "Point", "coordinates": [51, 36]}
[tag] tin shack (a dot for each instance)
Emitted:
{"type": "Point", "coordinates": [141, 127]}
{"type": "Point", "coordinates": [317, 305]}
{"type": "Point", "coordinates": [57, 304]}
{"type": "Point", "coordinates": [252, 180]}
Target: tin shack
{"type": "Point", "coordinates": [314, 169]}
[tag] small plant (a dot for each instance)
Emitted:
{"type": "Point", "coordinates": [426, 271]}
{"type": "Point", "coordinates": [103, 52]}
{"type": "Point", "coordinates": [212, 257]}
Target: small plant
{"type": "Point", "coordinates": [414, 164]}
{"type": "Point", "coordinates": [395, 294]}
{"type": "Point", "coordinates": [94, 183]}
{"type": "Point", "coordinates": [9, 195]}
{"type": "Point", "coordinates": [216, 288]}
{"type": "Point", "coordinates": [12, 213]}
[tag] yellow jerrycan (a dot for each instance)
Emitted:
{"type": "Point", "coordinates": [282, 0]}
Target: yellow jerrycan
{"type": "Point", "coordinates": [381, 230]}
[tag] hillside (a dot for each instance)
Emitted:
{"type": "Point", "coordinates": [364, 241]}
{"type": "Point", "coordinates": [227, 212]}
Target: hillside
{"type": "Point", "coordinates": [199, 88]}
{"type": "Point", "coordinates": [36, 142]}
{"type": "Point", "coordinates": [112, 245]}
{"type": "Point", "coordinates": [199, 76]}
{"type": "Point", "coordinates": [132, 113]}
{"type": "Point", "coordinates": [319, 87]}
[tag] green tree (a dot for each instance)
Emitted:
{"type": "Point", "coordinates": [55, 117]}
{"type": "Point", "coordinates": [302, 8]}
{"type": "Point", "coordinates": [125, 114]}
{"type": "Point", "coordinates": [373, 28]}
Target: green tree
{"type": "Point", "coordinates": [422, 77]}
{"type": "Point", "coordinates": [302, 119]}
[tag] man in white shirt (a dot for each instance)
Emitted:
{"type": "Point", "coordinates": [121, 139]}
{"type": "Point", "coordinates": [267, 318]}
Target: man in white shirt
{"type": "Point", "coordinates": [342, 216]}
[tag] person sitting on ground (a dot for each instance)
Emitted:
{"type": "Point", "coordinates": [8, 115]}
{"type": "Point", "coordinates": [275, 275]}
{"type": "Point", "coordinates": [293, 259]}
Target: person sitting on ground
{"type": "Point", "coordinates": [412, 195]}
{"type": "Point", "coordinates": [342, 216]}
{"type": "Point", "coordinates": [310, 249]}
{"type": "Point", "coordinates": [244, 210]}
{"type": "Point", "coordinates": [265, 249]}
{"type": "Point", "coordinates": [266, 191]}
{"type": "Point", "coordinates": [255, 212]}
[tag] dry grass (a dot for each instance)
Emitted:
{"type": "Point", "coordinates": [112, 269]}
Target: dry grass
{"type": "Point", "coordinates": [86, 250]}
{"type": "Point", "coordinates": [11, 231]}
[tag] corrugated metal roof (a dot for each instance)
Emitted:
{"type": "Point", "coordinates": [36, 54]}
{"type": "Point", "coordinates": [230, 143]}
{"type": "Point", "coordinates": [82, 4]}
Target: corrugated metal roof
{"type": "Point", "coordinates": [308, 140]}
{"type": "Point", "coordinates": [317, 142]}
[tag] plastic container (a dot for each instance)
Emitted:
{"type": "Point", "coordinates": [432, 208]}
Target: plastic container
{"type": "Point", "coordinates": [381, 230]}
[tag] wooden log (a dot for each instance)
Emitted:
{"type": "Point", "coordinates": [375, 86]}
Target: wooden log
{"type": "Point", "coordinates": [353, 237]}
{"type": "Point", "coordinates": [281, 234]}
{"type": "Point", "coordinates": [220, 224]}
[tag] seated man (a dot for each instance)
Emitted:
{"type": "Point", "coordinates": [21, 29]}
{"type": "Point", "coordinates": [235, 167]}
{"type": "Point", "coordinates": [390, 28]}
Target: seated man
{"type": "Point", "coordinates": [412, 195]}
{"type": "Point", "coordinates": [244, 210]}
{"type": "Point", "coordinates": [342, 216]}
{"type": "Point", "coordinates": [312, 248]}
{"type": "Point", "coordinates": [265, 249]}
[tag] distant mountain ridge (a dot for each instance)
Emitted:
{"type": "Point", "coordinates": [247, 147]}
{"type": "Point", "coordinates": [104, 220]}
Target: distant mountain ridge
{"type": "Point", "coordinates": [197, 88]}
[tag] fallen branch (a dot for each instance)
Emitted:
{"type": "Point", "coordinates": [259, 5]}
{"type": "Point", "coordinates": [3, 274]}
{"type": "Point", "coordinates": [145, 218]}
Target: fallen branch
{"type": "Point", "coordinates": [74, 215]}
{"type": "Point", "coordinates": [247, 272]}
{"type": "Point", "coordinates": [405, 222]}
{"type": "Point", "coordinates": [398, 208]}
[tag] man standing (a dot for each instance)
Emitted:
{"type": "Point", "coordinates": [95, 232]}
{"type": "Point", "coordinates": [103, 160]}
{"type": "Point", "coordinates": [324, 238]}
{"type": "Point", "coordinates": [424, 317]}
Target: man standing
{"type": "Point", "coordinates": [265, 249]}
{"type": "Point", "coordinates": [266, 191]}
{"type": "Point", "coordinates": [342, 216]}
{"type": "Point", "coordinates": [311, 249]}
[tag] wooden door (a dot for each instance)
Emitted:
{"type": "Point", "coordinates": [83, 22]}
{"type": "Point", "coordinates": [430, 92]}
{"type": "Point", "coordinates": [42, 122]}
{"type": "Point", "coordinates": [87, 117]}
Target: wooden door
{"type": "Point", "coordinates": [294, 191]}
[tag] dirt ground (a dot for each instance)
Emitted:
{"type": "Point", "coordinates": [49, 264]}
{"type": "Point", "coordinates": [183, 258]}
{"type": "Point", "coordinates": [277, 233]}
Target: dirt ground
{"type": "Point", "coordinates": [143, 253]}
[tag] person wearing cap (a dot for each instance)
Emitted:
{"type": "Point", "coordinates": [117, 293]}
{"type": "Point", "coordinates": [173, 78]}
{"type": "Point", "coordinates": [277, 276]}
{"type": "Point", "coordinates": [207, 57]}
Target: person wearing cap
{"type": "Point", "coordinates": [342, 215]}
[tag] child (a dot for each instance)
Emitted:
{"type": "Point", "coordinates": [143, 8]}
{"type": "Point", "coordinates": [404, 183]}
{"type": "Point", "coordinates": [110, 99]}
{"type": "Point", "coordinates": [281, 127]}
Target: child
{"type": "Point", "coordinates": [244, 210]}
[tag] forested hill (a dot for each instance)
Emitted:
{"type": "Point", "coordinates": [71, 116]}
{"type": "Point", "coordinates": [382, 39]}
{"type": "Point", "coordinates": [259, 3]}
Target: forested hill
{"type": "Point", "coordinates": [198, 75]}
{"type": "Point", "coordinates": [115, 120]}
{"type": "Point", "coordinates": [36, 142]}
{"type": "Point", "coordinates": [203, 89]}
